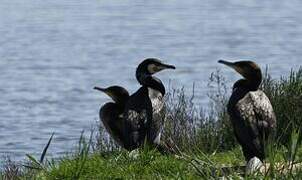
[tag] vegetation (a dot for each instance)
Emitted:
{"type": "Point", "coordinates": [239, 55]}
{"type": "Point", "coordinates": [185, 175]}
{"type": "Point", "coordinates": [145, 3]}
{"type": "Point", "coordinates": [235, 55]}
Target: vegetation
{"type": "Point", "coordinates": [204, 141]}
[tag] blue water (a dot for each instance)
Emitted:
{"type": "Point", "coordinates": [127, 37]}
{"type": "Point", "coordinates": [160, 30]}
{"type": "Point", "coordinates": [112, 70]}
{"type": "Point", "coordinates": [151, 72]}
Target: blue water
{"type": "Point", "coordinates": [53, 52]}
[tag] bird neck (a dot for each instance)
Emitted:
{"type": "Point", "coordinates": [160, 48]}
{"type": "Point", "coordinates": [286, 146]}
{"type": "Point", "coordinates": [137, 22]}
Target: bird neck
{"type": "Point", "coordinates": [120, 106]}
{"type": "Point", "coordinates": [121, 103]}
{"type": "Point", "coordinates": [151, 82]}
{"type": "Point", "coordinates": [251, 83]}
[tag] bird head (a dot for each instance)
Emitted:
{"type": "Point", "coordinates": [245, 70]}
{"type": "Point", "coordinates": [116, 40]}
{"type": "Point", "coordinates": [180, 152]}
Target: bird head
{"type": "Point", "coordinates": [248, 69]}
{"type": "Point", "coordinates": [118, 94]}
{"type": "Point", "coordinates": [149, 67]}
{"type": "Point", "coordinates": [152, 66]}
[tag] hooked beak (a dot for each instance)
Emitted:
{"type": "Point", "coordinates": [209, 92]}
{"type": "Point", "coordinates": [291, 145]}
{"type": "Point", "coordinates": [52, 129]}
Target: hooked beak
{"type": "Point", "coordinates": [152, 68]}
{"type": "Point", "coordinates": [233, 66]}
{"type": "Point", "coordinates": [100, 89]}
{"type": "Point", "coordinates": [230, 64]}
{"type": "Point", "coordinates": [104, 90]}
{"type": "Point", "coordinates": [167, 66]}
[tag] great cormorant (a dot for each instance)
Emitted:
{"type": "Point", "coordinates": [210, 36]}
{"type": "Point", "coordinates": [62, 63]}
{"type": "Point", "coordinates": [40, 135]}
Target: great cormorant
{"type": "Point", "coordinates": [250, 110]}
{"type": "Point", "coordinates": [145, 110]}
{"type": "Point", "coordinates": [111, 114]}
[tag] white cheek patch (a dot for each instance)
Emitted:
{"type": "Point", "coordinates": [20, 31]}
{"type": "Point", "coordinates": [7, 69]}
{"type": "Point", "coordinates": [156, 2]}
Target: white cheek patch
{"type": "Point", "coordinates": [152, 68]}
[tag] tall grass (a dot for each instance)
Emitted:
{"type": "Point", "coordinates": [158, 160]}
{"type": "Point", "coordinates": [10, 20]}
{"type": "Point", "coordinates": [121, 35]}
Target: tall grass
{"type": "Point", "coordinates": [189, 126]}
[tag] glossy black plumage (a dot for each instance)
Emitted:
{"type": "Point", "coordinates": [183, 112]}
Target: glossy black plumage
{"type": "Point", "coordinates": [111, 114]}
{"type": "Point", "coordinates": [144, 111]}
{"type": "Point", "coordinates": [131, 120]}
{"type": "Point", "coordinates": [250, 110]}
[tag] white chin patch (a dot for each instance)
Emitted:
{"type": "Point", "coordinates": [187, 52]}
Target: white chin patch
{"type": "Point", "coordinates": [152, 68]}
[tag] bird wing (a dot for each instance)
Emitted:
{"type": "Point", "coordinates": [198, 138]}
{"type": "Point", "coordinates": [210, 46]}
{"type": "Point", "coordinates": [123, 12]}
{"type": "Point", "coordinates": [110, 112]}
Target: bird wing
{"type": "Point", "coordinates": [135, 127]}
{"type": "Point", "coordinates": [144, 115]}
{"type": "Point", "coordinates": [138, 113]}
{"type": "Point", "coordinates": [266, 119]}
{"type": "Point", "coordinates": [137, 118]}
{"type": "Point", "coordinates": [258, 118]}
{"type": "Point", "coordinates": [112, 122]}
{"type": "Point", "coordinates": [257, 111]}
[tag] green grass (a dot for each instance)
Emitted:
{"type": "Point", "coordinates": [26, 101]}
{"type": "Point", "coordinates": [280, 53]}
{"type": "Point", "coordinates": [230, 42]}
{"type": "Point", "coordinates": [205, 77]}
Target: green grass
{"type": "Point", "coordinates": [119, 165]}
{"type": "Point", "coordinates": [208, 148]}
{"type": "Point", "coordinates": [86, 163]}
{"type": "Point", "coordinates": [150, 164]}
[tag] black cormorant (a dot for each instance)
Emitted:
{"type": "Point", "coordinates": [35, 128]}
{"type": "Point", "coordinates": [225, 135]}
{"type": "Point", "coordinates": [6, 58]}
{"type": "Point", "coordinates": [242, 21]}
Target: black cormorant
{"type": "Point", "coordinates": [250, 110]}
{"type": "Point", "coordinates": [111, 114]}
{"type": "Point", "coordinates": [145, 109]}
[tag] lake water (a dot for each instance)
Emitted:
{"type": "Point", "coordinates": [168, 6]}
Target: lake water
{"type": "Point", "coordinates": [53, 52]}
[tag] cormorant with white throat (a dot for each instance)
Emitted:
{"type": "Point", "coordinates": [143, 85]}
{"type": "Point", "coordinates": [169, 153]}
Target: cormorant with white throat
{"type": "Point", "coordinates": [250, 110]}
{"type": "Point", "coordinates": [145, 109]}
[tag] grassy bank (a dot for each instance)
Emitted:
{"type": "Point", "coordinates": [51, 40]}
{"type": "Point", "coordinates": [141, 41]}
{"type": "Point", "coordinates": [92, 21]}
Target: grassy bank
{"type": "Point", "coordinates": [204, 138]}
{"type": "Point", "coordinates": [149, 164]}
